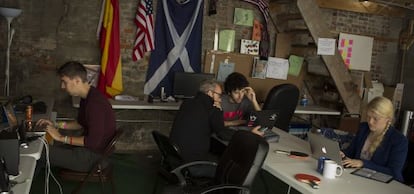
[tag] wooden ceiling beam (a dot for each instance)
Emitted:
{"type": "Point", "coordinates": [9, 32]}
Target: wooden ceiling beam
{"type": "Point", "coordinates": [312, 15]}
{"type": "Point", "coordinates": [363, 7]}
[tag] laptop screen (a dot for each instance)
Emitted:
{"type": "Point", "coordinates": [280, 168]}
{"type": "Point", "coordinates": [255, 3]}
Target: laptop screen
{"type": "Point", "coordinates": [10, 115]}
{"type": "Point", "coordinates": [324, 147]}
{"type": "Point", "coordinates": [186, 84]}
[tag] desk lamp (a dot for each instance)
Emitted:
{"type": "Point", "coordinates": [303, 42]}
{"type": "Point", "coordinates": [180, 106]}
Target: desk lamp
{"type": "Point", "coordinates": [9, 14]}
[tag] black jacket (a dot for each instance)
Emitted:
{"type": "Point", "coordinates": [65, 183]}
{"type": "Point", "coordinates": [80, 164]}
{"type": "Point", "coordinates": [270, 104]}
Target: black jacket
{"type": "Point", "coordinates": [194, 124]}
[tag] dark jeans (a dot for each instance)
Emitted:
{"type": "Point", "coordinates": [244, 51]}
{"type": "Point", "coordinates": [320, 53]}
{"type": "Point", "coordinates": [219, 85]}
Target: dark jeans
{"type": "Point", "coordinates": [69, 157]}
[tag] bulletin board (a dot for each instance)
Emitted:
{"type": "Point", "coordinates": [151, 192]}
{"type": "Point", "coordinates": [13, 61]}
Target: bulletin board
{"type": "Point", "coordinates": [243, 64]}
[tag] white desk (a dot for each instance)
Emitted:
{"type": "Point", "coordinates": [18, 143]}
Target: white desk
{"type": "Point", "coordinates": [34, 149]}
{"type": "Point", "coordinates": [139, 105]}
{"type": "Point", "coordinates": [24, 180]}
{"type": "Point", "coordinates": [284, 168]}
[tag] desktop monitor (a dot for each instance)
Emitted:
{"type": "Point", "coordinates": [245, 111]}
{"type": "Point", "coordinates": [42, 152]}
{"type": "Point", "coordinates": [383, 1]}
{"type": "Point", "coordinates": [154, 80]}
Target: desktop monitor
{"type": "Point", "coordinates": [187, 84]}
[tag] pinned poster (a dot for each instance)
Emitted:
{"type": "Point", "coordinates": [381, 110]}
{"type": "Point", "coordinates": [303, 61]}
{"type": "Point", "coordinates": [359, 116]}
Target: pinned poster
{"type": "Point", "coordinates": [277, 68]}
{"type": "Point", "coordinates": [243, 17]}
{"type": "Point", "coordinates": [226, 40]}
{"type": "Point", "coordinates": [326, 46]}
{"type": "Point", "coordinates": [225, 69]}
{"type": "Point", "coordinates": [249, 47]}
{"type": "Point", "coordinates": [257, 30]}
{"type": "Point", "coordinates": [295, 65]}
{"type": "Point", "coordinates": [356, 51]}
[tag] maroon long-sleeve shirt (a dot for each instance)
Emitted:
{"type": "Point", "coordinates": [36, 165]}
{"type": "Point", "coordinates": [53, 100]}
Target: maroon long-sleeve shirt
{"type": "Point", "coordinates": [97, 119]}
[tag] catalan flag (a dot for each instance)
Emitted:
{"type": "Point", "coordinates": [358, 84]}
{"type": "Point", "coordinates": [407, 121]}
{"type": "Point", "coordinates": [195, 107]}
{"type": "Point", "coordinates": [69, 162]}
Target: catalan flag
{"type": "Point", "coordinates": [110, 78]}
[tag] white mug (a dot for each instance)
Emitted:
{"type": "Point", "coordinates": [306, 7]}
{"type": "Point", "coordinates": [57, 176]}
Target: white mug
{"type": "Point", "coordinates": [331, 169]}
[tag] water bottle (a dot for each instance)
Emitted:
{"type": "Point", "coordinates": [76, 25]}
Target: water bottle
{"type": "Point", "coordinates": [304, 100]}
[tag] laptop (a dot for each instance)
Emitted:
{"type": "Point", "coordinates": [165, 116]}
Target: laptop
{"type": "Point", "coordinates": [10, 116]}
{"type": "Point", "coordinates": [324, 147]}
{"type": "Point", "coordinates": [266, 119]}
{"type": "Point", "coordinates": [14, 124]}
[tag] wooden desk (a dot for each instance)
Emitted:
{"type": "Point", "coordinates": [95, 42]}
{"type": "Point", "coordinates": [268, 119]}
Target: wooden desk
{"type": "Point", "coordinates": [284, 168]}
{"type": "Point", "coordinates": [139, 105]}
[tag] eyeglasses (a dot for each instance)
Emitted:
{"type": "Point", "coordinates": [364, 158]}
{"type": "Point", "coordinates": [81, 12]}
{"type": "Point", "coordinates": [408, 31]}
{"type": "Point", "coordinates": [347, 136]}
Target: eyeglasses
{"type": "Point", "coordinates": [219, 94]}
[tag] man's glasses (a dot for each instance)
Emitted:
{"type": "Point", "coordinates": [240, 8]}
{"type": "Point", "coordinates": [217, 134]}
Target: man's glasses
{"type": "Point", "coordinates": [219, 94]}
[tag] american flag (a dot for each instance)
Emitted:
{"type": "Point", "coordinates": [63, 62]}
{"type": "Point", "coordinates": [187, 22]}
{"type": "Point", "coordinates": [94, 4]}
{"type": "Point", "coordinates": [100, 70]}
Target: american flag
{"type": "Point", "coordinates": [263, 7]}
{"type": "Point", "coordinates": [144, 41]}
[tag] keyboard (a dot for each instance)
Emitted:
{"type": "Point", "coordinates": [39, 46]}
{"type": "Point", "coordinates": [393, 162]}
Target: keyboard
{"type": "Point", "coordinates": [271, 136]}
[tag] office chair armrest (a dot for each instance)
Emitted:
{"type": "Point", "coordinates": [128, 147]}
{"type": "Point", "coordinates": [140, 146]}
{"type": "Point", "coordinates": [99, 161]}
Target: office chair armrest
{"type": "Point", "coordinates": [224, 186]}
{"type": "Point", "coordinates": [178, 171]}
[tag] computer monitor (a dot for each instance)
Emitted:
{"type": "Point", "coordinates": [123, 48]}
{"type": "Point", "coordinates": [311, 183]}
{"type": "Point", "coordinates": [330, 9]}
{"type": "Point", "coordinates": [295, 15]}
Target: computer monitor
{"type": "Point", "coordinates": [187, 84]}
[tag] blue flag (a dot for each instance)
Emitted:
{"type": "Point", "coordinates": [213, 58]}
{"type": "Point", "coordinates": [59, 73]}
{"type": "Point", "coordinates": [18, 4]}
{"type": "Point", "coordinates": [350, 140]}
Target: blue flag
{"type": "Point", "coordinates": [178, 33]}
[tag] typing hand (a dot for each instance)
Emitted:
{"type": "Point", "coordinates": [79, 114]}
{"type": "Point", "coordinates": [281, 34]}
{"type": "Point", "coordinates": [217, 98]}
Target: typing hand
{"type": "Point", "coordinates": [44, 122]}
{"type": "Point", "coordinates": [352, 163]}
{"type": "Point", "coordinates": [257, 131]}
{"type": "Point", "coordinates": [52, 131]}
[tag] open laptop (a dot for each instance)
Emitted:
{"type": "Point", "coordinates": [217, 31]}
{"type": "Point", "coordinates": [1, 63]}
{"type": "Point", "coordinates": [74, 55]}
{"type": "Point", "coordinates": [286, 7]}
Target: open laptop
{"type": "Point", "coordinates": [324, 147]}
{"type": "Point", "coordinates": [266, 119]}
{"type": "Point", "coordinates": [14, 124]}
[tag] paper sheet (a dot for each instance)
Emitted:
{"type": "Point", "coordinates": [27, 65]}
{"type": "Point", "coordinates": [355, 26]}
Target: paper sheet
{"type": "Point", "coordinates": [295, 65]}
{"type": "Point", "coordinates": [243, 17]}
{"type": "Point", "coordinates": [225, 68]}
{"type": "Point", "coordinates": [277, 68]}
{"type": "Point", "coordinates": [226, 40]}
{"type": "Point", "coordinates": [326, 46]}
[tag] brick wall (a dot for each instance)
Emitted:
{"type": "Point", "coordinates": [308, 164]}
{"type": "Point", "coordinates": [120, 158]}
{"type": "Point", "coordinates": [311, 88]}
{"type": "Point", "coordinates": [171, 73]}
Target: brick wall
{"type": "Point", "coordinates": [51, 32]}
{"type": "Point", "coordinates": [384, 61]}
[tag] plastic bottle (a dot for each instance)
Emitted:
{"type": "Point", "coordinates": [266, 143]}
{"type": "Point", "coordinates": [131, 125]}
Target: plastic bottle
{"type": "Point", "coordinates": [304, 100]}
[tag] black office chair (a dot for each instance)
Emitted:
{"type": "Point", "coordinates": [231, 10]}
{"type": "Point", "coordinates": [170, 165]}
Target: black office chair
{"type": "Point", "coordinates": [98, 173]}
{"type": "Point", "coordinates": [284, 99]}
{"type": "Point", "coordinates": [171, 160]}
{"type": "Point", "coordinates": [237, 168]}
{"type": "Point", "coordinates": [170, 156]}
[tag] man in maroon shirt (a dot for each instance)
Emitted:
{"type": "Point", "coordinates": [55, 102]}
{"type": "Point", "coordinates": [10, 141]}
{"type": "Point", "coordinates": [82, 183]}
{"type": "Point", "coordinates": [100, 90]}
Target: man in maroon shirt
{"type": "Point", "coordinates": [95, 118]}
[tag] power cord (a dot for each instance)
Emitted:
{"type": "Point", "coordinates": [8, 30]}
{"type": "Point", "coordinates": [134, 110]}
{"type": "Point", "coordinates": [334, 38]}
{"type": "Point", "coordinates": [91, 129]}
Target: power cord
{"type": "Point", "coordinates": [48, 171]}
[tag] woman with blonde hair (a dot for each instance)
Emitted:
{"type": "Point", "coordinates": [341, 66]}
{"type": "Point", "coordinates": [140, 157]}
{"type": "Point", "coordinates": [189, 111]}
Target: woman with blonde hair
{"type": "Point", "coordinates": [377, 144]}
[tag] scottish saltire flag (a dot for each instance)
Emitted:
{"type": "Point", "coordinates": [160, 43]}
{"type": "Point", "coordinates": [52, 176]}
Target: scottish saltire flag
{"type": "Point", "coordinates": [178, 32]}
{"type": "Point", "coordinates": [263, 6]}
{"type": "Point", "coordinates": [144, 40]}
{"type": "Point", "coordinates": [110, 78]}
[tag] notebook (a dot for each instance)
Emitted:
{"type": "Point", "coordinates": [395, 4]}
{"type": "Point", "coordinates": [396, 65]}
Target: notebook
{"type": "Point", "coordinates": [324, 147]}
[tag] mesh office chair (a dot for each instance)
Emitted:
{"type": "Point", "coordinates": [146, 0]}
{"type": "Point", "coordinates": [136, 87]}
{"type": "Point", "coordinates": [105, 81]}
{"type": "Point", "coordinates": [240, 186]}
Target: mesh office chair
{"type": "Point", "coordinates": [284, 99]}
{"type": "Point", "coordinates": [97, 173]}
{"type": "Point", "coordinates": [237, 168]}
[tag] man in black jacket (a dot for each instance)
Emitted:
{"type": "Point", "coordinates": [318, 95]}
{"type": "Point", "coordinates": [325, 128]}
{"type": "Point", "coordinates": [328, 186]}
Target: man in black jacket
{"type": "Point", "coordinates": [196, 121]}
